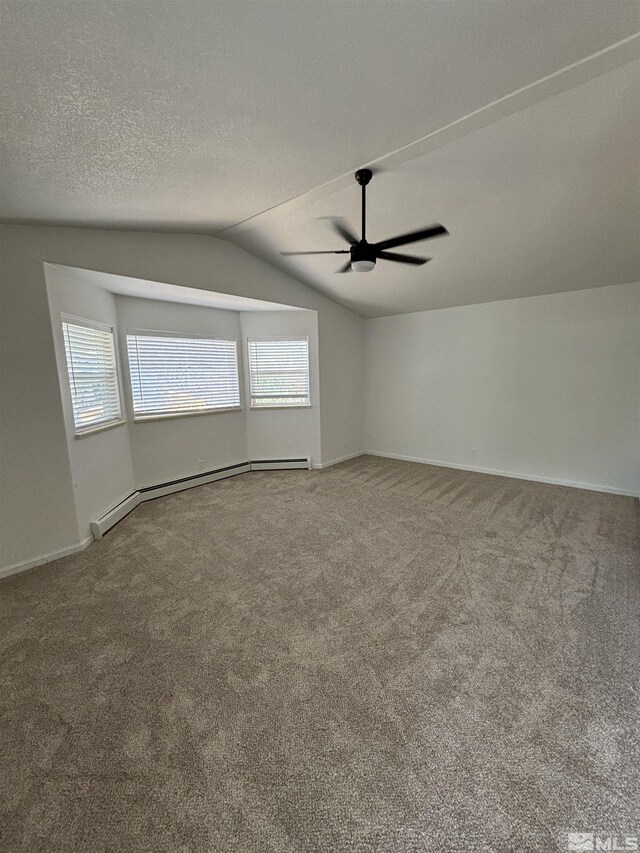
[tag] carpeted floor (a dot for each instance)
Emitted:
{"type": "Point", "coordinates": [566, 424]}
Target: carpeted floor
{"type": "Point", "coordinates": [382, 656]}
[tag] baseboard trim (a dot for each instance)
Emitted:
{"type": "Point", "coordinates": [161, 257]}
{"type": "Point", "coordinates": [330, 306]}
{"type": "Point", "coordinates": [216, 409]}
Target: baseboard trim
{"type": "Point", "coordinates": [114, 515]}
{"type": "Point", "coordinates": [573, 484]}
{"type": "Point", "coordinates": [148, 493]}
{"type": "Point", "coordinates": [160, 490]}
{"type": "Point", "coordinates": [280, 464]}
{"type": "Point", "coordinates": [46, 558]}
{"type": "Point", "coordinates": [320, 465]}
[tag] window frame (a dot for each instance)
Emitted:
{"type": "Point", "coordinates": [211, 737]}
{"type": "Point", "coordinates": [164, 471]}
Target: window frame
{"type": "Point", "coordinates": [120, 420]}
{"type": "Point", "coordinates": [162, 416]}
{"type": "Point", "coordinates": [267, 338]}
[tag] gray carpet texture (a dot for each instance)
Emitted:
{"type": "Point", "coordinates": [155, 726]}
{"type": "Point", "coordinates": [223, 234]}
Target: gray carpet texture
{"type": "Point", "coordinates": [381, 656]}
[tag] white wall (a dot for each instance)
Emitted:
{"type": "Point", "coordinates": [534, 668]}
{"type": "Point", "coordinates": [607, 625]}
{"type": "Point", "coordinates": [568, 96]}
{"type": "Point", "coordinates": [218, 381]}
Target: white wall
{"type": "Point", "coordinates": [101, 465]}
{"type": "Point", "coordinates": [546, 387]}
{"type": "Point", "coordinates": [284, 433]}
{"type": "Point", "coordinates": [341, 348]}
{"type": "Point", "coordinates": [171, 448]}
{"type": "Point", "coordinates": [542, 387]}
{"type": "Point", "coordinates": [37, 509]}
{"type": "Point", "coordinates": [107, 466]}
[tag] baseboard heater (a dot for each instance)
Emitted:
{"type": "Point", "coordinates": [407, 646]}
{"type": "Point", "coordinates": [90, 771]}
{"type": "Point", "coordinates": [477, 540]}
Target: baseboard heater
{"type": "Point", "coordinates": [148, 493]}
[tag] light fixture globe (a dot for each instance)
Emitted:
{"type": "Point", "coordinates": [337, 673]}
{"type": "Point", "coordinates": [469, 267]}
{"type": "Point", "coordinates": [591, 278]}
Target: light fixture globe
{"type": "Point", "coordinates": [363, 265]}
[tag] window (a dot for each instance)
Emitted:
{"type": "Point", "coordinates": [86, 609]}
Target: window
{"type": "Point", "coordinates": [174, 375]}
{"type": "Point", "coordinates": [93, 374]}
{"type": "Point", "coordinates": [279, 373]}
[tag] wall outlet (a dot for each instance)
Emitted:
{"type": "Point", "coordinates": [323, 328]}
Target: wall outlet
{"type": "Point", "coordinates": [200, 464]}
{"type": "Point", "coordinates": [473, 453]}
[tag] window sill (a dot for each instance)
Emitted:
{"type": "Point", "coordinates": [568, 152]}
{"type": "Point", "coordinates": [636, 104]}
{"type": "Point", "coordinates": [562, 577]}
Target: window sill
{"type": "Point", "coordinates": [99, 428]}
{"type": "Point", "coordinates": [280, 408]}
{"type": "Point", "coordinates": [170, 416]}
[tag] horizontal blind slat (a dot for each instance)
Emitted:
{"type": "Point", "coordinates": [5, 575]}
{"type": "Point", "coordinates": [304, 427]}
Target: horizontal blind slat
{"type": "Point", "coordinates": [93, 377]}
{"type": "Point", "coordinates": [173, 375]}
{"type": "Point", "coordinates": [279, 372]}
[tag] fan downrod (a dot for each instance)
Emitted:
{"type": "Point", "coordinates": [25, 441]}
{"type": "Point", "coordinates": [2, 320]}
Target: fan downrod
{"type": "Point", "coordinates": [362, 254]}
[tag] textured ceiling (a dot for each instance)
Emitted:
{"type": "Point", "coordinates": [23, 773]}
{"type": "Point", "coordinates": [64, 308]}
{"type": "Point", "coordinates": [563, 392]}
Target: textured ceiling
{"type": "Point", "coordinates": [198, 115]}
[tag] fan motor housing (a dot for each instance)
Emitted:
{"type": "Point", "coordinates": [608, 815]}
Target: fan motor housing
{"type": "Point", "coordinates": [362, 251]}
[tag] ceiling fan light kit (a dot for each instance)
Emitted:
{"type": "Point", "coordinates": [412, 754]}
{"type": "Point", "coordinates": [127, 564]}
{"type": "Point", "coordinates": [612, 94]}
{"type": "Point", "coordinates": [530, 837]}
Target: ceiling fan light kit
{"type": "Point", "coordinates": [362, 265]}
{"type": "Point", "coordinates": [363, 255]}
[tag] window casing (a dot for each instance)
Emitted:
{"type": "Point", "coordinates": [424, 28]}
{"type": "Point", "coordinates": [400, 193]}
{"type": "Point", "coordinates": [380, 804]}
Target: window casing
{"type": "Point", "coordinates": [92, 369]}
{"type": "Point", "coordinates": [278, 372]}
{"type": "Point", "coordinates": [173, 374]}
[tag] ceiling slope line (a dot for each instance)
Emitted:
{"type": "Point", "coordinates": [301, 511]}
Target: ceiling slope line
{"type": "Point", "coordinates": [594, 65]}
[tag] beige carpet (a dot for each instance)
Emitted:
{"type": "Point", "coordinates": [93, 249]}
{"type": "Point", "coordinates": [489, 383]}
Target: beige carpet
{"type": "Point", "coordinates": [383, 656]}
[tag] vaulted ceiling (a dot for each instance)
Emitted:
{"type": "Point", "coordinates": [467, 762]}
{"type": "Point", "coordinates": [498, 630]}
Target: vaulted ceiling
{"type": "Point", "coordinates": [513, 123]}
{"type": "Point", "coordinates": [544, 200]}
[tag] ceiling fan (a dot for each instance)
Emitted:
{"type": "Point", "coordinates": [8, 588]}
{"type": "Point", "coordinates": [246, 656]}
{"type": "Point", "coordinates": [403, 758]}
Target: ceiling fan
{"type": "Point", "coordinates": [363, 254]}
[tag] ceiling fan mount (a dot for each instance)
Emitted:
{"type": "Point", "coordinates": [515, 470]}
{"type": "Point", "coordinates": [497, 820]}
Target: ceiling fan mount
{"type": "Point", "coordinates": [363, 255]}
{"type": "Point", "coordinates": [363, 176]}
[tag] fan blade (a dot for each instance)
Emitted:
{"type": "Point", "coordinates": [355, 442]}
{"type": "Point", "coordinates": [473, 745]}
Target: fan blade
{"type": "Point", "coordinates": [324, 252]}
{"type": "Point", "coordinates": [413, 237]}
{"type": "Point", "coordinates": [341, 228]}
{"type": "Point", "coordinates": [346, 267]}
{"type": "Point", "coordinates": [402, 259]}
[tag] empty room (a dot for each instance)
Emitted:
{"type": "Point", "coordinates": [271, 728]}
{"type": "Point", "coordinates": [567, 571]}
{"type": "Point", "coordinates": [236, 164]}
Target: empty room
{"type": "Point", "coordinates": [319, 426]}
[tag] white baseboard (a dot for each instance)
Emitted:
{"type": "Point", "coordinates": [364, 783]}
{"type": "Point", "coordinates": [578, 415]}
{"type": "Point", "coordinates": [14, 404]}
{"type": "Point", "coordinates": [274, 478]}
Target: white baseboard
{"type": "Point", "coordinates": [574, 484]}
{"type": "Point", "coordinates": [281, 464]}
{"type": "Point", "coordinates": [319, 465]}
{"type": "Point", "coordinates": [46, 558]}
{"type": "Point", "coordinates": [147, 493]}
{"type": "Point", "coordinates": [114, 515]}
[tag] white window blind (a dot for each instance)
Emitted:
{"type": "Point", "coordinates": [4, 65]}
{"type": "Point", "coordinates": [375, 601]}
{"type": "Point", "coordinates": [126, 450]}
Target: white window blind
{"type": "Point", "coordinates": [93, 374]}
{"type": "Point", "coordinates": [279, 372]}
{"type": "Point", "coordinates": [172, 375]}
